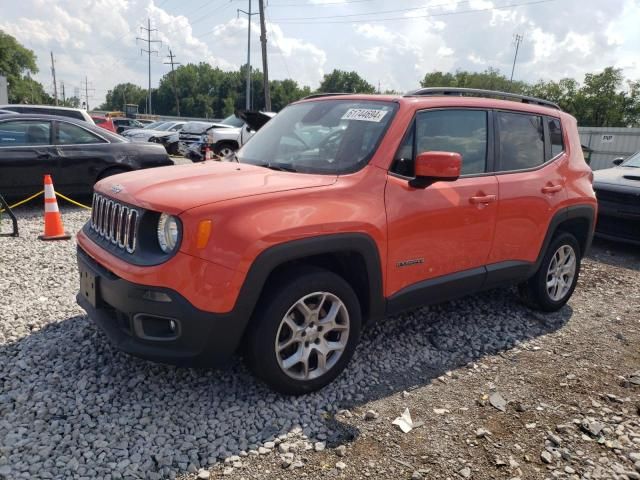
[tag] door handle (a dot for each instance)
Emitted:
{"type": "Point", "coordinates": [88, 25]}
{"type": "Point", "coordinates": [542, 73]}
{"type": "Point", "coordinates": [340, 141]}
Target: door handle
{"type": "Point", "coordinates": [551, 189]}
{"type": "Point", "coordinates": [484, 199]}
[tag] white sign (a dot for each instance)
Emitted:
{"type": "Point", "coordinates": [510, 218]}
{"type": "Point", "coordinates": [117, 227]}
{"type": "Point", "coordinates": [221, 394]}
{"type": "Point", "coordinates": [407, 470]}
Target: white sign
{"type": "Point", "coordinates": [364, 114]}
{"type": "Point", "coordinates": [607, 138]}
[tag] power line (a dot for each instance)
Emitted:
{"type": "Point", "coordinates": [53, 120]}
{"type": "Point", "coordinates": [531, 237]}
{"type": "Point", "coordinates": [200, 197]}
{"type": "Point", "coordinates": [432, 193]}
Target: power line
{"type": "Point", "coordinates": [149, 51]}
{"type": "Point", "coordinates": [432, 15]}
{"type": "Point", "coordinates": [316, 4]}
{"type": "Point", "coordinates": [428, 7]}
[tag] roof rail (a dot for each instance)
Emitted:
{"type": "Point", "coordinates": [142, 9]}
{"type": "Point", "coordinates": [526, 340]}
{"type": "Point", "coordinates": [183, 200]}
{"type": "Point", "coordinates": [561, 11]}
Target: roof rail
{"type": "Point", "coordinates": [475, 92]}
{"type": "Point", "coordinates": [318, 95]}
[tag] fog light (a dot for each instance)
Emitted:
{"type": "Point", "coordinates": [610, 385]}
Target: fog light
{"type": "Point", "coordinates": [172, 326]}
{"type": "Point", "coordinates": [156, 296]}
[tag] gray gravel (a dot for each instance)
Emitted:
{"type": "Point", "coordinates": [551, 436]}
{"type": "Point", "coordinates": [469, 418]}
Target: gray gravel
{"type": "Point", "coordinates": [71, 406]}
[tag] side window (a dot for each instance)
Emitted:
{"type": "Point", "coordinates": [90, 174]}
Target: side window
{"type": "Point", "coordinates": [403, 161]}
{"type": "Point", "coordinates": [521, 141]}
{"type": "Point", "coordinates": [69, 134]}
{"type": "Point", "coordinates": [555, 137]}
{"type": "Point", "coordinates": [25, 133]}
{"type": "Point", "coordinates": [460, 131]}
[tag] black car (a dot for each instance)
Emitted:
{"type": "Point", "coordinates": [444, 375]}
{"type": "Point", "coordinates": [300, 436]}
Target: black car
{"type": "Point", "coordinates": [75, 153]}
{"type": "Point", "coordinates": [618, 192]}
{"type": "Point", "coordinates": [123, 123]}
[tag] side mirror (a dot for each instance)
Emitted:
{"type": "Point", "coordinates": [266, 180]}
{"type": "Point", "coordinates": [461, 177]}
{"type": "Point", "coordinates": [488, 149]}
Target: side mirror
{"type": "Point", "coordinates": [431, 167]}
{"type": "Point", "coordinates": [618, 161]}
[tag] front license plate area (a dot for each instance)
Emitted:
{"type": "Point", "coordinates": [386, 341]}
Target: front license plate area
{"type": "Point", "coordinates": [89, 286]}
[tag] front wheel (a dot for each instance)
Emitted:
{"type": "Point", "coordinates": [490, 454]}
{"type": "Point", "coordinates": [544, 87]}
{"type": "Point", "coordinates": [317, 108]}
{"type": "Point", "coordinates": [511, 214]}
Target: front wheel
{"type": "Point", "coordinates": [554, 282]}
{"type": "Point", "coordinates": [304, 331]}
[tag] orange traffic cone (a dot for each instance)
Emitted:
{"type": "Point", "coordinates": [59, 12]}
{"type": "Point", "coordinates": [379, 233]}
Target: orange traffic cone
{"type": "Point", "coordinates": [53, 227]}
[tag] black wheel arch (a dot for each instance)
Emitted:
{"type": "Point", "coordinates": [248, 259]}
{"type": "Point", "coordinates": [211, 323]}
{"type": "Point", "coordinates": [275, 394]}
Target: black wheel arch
{"type": "Point", "coordinates": [579, 220]}
{"type": "Point", "coordinates": [362, 269]}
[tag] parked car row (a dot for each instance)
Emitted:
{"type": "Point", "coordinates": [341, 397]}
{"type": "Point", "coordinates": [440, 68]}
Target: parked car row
{"type": "Point", "coordinates": [75, 152]}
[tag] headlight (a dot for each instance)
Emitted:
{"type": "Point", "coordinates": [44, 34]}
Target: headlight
{"type": "Point", "coordinates": [167, 232]}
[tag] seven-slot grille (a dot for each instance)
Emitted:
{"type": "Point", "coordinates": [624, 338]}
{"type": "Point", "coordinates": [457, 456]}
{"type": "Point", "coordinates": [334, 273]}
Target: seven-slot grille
{"type": "Point", "coordinates": [115, 222]}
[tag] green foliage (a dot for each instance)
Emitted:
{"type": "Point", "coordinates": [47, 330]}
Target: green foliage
{"type": "Point", "coordinates": [600, 102]}
{"type": "Point", "coordinates": [340, 81]}
{"type": "Point", "coordinates": [17, 63]}
{"type": "Point", "coordinates": [490, 79]}
{"type": "Point", "coordinates": [124, 93]}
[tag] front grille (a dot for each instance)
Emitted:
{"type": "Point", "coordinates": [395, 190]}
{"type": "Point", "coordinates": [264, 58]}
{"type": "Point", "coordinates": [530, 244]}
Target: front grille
{"type": "Point", "coordinates": [115, 222]}
{"type": "Point", "coordinates": [619, 227]}
{"type": "Point", "coordinates": [623, 198]}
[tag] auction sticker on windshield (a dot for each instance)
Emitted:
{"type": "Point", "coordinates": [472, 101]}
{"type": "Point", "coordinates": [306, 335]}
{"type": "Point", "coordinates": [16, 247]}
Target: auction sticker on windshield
{"type": "Point", "coordinates": [364, 114]}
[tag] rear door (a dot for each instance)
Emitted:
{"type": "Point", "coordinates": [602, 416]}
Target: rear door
{"type": "Point", "coordinates": [82, 154]}
{"type": "Point", "coordinates": [26, 155]}
{"type": "Point", "coordinates": [531, 173]}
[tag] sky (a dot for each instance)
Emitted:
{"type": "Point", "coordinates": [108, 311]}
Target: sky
{"type": "Point", "coordinates": [391, 44]}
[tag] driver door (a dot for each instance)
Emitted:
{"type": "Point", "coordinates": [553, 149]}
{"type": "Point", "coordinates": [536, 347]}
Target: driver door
{"type": "Point", "coordinates": [441, 236]}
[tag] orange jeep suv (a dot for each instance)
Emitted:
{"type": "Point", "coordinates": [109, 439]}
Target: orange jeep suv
{"type": "Point", "coordinates": [341, 210]}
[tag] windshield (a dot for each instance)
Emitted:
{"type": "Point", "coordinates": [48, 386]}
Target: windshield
{"type": "Point", "coordinates": [153, 126]}
{"type": "Point", "coordinates": [233, 121]}
{"type": "Point", "coordinates": [632, 161]}
{"type": "Point", "coordinates": [327, 136]}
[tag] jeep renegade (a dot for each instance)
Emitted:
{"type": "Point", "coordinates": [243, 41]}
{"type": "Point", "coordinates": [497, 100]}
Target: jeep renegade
{"type": "Point", "coordinates": [341, 210]}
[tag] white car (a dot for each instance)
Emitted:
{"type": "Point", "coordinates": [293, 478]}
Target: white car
{"type": "Point", "coordinates": [76, 113]}
{"type": "Point", "coordinates": [151, 131]}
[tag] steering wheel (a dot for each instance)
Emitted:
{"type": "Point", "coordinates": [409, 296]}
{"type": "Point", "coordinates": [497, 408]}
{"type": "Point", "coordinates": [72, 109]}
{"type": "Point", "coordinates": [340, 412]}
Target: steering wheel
{"type": "Point", "coordinates": [325, 145]}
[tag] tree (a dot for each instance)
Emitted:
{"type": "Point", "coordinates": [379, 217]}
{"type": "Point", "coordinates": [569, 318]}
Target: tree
{"type": "Point", "coordinates": [490, 79]}
{"type": "Point", "coordinates": [125, 93]}
{"type": "Point", "coordinates": [340, 81]}
{"type": "Point", "coordinates": [17, 63]}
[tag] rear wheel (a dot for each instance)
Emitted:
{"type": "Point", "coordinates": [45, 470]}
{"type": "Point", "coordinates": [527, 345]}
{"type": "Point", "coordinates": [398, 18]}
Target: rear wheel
{"type": "Point", "coordinates": [554, 282]}
{"type": "Point", "coordinates": [304, 331]}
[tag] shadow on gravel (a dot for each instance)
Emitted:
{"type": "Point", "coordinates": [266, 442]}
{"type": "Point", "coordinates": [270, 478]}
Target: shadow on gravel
{"type": "Point", "coordinates": [616, 254]}
{"type": "Point", "coordinates": [71, 405]}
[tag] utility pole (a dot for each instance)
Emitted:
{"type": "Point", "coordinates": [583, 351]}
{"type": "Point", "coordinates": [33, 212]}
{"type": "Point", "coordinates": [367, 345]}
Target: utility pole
{"type": "Point", "coordinates": [86, 92]}
{"type": "Point", "coordinates": [173, 78]}
{"type": "Point", "coordinates": [53, 72]}
{"type": "Point", "coordinates": [265, 66]}
{"type": "Point", "coordinates": [64, 98]}
{"type": "Point", "coordinates": [149, 51]}
{"type": "Point", "coordinates": [517, 41]}
{"type": "Point", "coordinates": [248, 94]}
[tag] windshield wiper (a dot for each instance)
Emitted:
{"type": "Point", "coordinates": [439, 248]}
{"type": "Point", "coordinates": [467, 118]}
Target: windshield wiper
{"type": "Point", "coordinates": [280, 167]}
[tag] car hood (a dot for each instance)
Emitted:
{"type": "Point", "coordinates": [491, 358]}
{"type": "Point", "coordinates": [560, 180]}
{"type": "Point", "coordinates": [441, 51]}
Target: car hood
{"type": "Point", "coordinates": [255, 120]}
{"type": "Point", "coordinates": [181, 187]}
{"type": "Point", "coordinates": [136, 131]}
{"type": "Point", "coordinates": [202, 127]}
{"type": "Point", "coordinates": [623, 176]}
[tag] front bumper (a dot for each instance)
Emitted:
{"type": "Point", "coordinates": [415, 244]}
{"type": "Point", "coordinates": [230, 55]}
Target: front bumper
{"type": "Point", "coordinates": [618, 217]}
{"type": "Point", "coordinates": [135, 318]}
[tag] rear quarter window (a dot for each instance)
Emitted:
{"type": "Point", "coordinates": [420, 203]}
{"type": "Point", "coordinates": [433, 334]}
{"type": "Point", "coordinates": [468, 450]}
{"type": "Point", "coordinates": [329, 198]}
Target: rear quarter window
{"type": "Point", "coordinates": [521, 143]}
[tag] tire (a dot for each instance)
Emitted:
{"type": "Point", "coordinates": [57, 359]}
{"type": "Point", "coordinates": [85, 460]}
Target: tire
{"type": "Point", "coordinates": [111, 171]}
{"type": "Point", "coordinates": [550, 297]}
{"type": "Point", "coordinates": [224, 149]}
{"type": "Point", "coordinates": [279, 314]}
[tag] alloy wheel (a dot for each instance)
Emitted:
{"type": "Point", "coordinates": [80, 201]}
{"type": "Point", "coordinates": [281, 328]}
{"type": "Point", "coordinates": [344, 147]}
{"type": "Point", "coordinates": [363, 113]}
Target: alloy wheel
{"type": "Point", "coordinates": [561, 273]}
{"type": "Point", "coordinates": [312, 336]}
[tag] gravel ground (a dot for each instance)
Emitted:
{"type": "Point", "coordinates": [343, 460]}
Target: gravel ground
{"type": "Point", "coordinates": [73, 407]}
